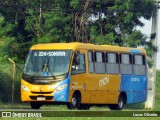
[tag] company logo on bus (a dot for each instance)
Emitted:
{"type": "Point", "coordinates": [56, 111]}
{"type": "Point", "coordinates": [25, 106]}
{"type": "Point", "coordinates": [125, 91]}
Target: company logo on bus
{"type": "Point", "coordinates": [104, 81]}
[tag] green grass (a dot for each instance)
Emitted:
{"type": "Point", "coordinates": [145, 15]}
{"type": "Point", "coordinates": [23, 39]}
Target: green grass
{"type": "Point", "coordinates": [130, 107]}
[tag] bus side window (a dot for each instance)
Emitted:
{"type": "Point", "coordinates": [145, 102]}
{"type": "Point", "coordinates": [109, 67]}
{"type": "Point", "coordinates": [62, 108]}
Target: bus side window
{"type": "Point", "coordinates": [112, 63]}
{"type": "Point", "coordinates": [100, 62]}
{"type": "Point", "coordinates": [125, 63]}
{"type": "Point", "coordinates": [91, 61]}
{"type": "Point", "coordinates": [78, 65]}
{"type": "Point", "coordinates": [139, 65]}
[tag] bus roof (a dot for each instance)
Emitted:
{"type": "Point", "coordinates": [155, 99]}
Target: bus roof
{"type": "Point", "coordinates": [76, 45]}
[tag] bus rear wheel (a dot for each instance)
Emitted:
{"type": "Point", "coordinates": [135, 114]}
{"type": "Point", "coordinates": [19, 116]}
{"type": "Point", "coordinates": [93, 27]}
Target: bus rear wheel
{"type": "Point", "coordinates": [35, 105]}
{"type": "Point", "coordinates": [75, 102]}
{"type": "Point", "coordinates": [120, 105]}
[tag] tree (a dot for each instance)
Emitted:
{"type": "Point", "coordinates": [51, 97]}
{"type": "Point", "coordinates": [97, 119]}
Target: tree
{"type": "Point", "coordinates": [15, 40]}
{"type": "Point", "coordinates": [26, 22]}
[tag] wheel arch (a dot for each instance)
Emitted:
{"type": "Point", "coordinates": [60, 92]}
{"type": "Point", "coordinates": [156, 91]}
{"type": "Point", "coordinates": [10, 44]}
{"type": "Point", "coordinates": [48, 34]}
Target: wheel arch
{"type": "Point", "coordinates": [123, 93]}
{"type": "Point", "coordinates": [78, 93]}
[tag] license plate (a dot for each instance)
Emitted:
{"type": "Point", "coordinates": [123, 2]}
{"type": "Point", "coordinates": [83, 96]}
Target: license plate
{"type": "Point", "coordinates": [41, 98]}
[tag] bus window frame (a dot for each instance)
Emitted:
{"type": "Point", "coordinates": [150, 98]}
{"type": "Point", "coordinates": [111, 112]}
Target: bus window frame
{"type": "Point", "coordinates": [144, 62]}
{"type": "Point", "coordinates": [130, 62]}
{"type": "Point", "coordinates": [143, 59]}
{"type": "Point", "coordinates": [117, 57]}
{"type": "Point", "coordinates": [117, 61]}
{"type": "Point", "coordinates": [103, 60]}
{"type": "Point", "coordinates": [74, 54]}
{"type": "Point", "coordinates": [130, 58]}
{"type": "Point", "coordinates": [93, 58]}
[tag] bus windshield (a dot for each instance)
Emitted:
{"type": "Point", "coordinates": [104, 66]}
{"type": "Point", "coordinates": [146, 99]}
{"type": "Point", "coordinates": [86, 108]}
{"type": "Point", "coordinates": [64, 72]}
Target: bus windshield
{"type": "Point", "coordinates": [47, 63]}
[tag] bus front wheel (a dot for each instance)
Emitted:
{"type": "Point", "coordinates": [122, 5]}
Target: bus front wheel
{"type": "Point", "coordinates": [75, 102]}
{"type": "Point", "coordinates": [35, 105]}
{"type": "Point", "coordinates": [120, 105]}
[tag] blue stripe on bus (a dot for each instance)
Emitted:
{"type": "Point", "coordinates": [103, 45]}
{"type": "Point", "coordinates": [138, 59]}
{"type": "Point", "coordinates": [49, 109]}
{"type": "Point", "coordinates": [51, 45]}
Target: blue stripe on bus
{"type": "Point", "coordinates": [63, 95]}
{"type": "Point", "coordinates": [135, 51]}
{"type": "Point", "coordinates": [135, 88]}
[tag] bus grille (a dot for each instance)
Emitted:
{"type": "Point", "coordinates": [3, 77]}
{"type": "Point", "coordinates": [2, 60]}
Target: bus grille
{"type": "Point", "coordinates": [46, 97]}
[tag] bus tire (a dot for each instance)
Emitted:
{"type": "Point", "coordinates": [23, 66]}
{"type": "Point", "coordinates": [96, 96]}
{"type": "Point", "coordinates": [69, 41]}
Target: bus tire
{"type": "Point", "coordinates": [35, 105]}
{"type": "Point", "coordinates": [120, 105]}
{"type": "Point", "coordinates": [75, 102]}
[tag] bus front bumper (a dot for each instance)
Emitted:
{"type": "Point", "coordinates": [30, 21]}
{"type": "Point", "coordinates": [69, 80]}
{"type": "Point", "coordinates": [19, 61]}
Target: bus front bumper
{"type": "Point", "coordinates": [29, 96]}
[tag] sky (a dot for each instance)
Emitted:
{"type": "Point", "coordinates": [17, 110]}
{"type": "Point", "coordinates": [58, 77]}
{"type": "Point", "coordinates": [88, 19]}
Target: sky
{"type": "Point", "coordinates": [147, 30]}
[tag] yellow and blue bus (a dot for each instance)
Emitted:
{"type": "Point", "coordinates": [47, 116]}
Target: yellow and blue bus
{"type": "Point", "coordinates": [81, 75]}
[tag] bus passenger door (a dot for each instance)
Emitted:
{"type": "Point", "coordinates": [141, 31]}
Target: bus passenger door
{"type": "Point", "coordinates": [78, 76]}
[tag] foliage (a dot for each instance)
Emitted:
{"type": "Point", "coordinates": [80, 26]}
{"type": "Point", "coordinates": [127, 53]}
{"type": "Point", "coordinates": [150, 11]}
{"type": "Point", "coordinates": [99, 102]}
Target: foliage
{"type": "Point", "coordinates": [7, 81]}
{"type": "Point", "coordinates": [158, 81]}
{"type": "Point", "coordinates": [157, 99]}
{"type": "Point", "coordinates": [27, 22]}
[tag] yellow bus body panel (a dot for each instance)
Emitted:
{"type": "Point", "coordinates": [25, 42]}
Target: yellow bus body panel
{"type": "Point", "coordinates": [92, 91]}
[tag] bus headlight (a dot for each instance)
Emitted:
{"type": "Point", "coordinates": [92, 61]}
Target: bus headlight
{"type": "Point", "coordinates": [25, 88]}
{"type": "Point", "coordinates": [60, 88]}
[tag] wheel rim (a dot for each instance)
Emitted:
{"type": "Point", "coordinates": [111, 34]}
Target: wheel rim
{"type": "Point", "coordinates": [74, 101]}
{"type": "Point", "coordinates": [121, 102]}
